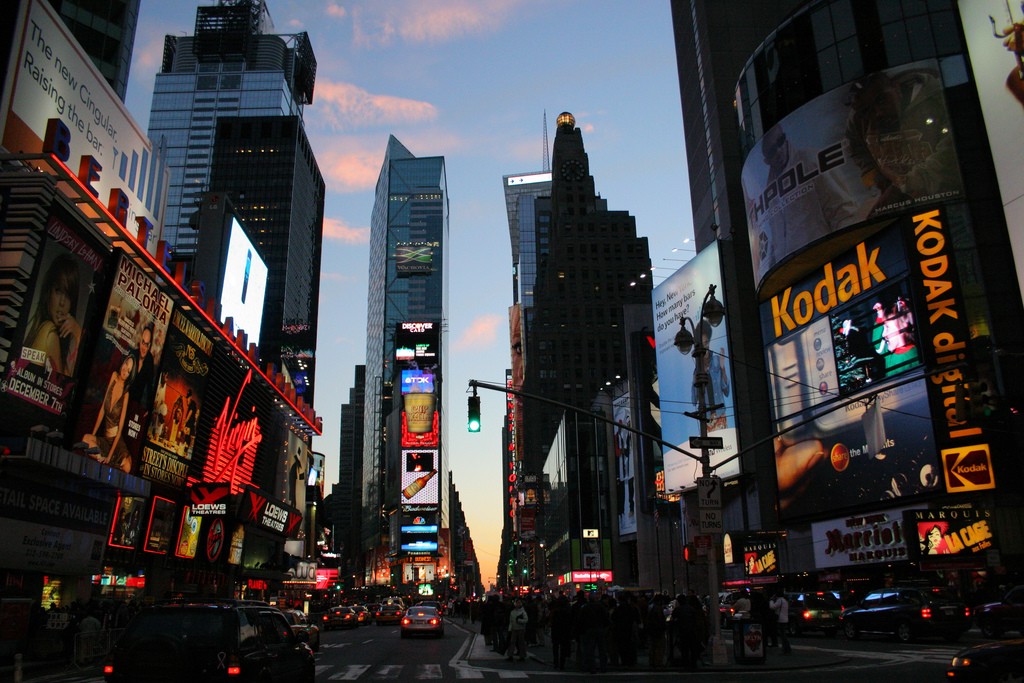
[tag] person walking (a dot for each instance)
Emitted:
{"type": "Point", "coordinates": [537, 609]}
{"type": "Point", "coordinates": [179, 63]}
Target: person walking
{"type": "Point", "coordinates": [517, 620]}
{"type": "Point", "coordinates": [626, 629]}
{"type": "Point", "coordinates": [780, 606]}
{"type": "Point", "coordinates": [594, 620]}
{"type": "Point", "coordinates": [655, 628]}
{"type": "Point", "coordinates": [684, 626]}
{"type": "Point", "coordinates": [501, 611]}
{"type": "Point", "coordinates": [560, 617]}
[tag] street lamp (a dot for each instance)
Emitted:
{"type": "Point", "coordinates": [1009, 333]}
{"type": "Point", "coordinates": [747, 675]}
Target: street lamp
{"type": "Point", "coordinates": [695, 342]}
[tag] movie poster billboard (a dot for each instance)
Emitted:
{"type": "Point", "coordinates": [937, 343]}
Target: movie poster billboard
{"type": "Point", "coordinates": [177, 402]}
{"type": "Point", "coordinates": [680, 297]}
{"type": "Point", "coordinates": [961, 531]}
{"type": "Point", "coordinates": [994, 30]}
{"type": "Point", "coordinates": [848, 398]}
{"type": "Point", "coordinates": [119, 391]}
{"type": "Point", "coordinates": [880, 145]}
{"type": "Point", "coordinates": [46, 358]}
{"type": "Point", "coordinates": [625, 463]}
{"type": "Point", "coordinates": [160, 530]}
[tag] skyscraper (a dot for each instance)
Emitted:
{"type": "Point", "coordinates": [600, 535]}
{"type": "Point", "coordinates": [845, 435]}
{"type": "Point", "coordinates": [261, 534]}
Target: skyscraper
{"type": "Point", "coordinates": [590, 263]}
{"type": "Point", "coordinates": [233, 66]}
{"type": "Point", "coordinates": [405, 333]}
{"type": "Point", "coordinates": [106, 30]}
{"type": "Point", "coordinates": [227, 105]}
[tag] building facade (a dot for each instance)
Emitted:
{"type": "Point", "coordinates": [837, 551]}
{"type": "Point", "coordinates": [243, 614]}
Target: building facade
{"type": "Point", "coordinates": [859, 240]}
{"type": "Point", "coordinates": [403, 468]}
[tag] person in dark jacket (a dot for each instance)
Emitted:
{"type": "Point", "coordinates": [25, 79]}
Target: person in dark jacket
{"type": "Point", "coordinates": [561, 631]}
{"type": "Point", "coordinates": [626, 629]}
{"type": "Point", "coordinates": [594, 621]}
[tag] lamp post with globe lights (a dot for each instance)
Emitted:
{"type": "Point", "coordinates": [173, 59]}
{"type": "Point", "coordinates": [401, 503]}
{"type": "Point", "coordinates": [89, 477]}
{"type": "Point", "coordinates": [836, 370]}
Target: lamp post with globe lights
{"type": "Point", "coordinates": [694, 342]}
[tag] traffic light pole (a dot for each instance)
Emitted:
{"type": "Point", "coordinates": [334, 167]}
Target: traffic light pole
{"type": "Point", "coordinates": [522, 394]}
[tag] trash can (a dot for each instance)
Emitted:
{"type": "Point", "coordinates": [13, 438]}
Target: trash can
{"type": "Point", "coordinates": [748, 642]}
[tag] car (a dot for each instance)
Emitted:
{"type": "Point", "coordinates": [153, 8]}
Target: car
{"type": "Point", "coordinates": [340, 617]}
{"type": "Point", "coordinates": [996, 618]}
{"type": "Point", "coordinates": [814, 611]}
{"type": "Point", "coordinates": [209, 641]}
{"type": "Point", "coordinates": [431, 603]}
{"type": "Point", "coordinates": [422, 621]}
{"type": "Point", "coordinates": [998, 662]}
{"type": "Point", "coordinates": [363, 615]}
{"type": "Point", "coordinates": [727, 611]}
{"type": "Point", "coordinates": [908, 613]}
{"type": "Point", "coordinates": [301, 624]}
{"type": "Point", "coordinates": [388, 614]}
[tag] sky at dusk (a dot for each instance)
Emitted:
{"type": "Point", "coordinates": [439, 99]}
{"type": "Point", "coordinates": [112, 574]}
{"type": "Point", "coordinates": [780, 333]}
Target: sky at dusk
{"type": "Point", "coordinates": [469, 80]}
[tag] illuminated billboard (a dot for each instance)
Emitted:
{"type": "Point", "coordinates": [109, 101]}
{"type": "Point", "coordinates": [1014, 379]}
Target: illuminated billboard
{"type": "Point", "coordinates": [415, 258]}
{"type": "Point", "coordinates": [55, 97]}
{"type": "Point", "coordinates": [950, 532]}
{"type": "Point", "coordinates": [57, 322]}
{"type": "Point", "coordinates": [417, 362]}
{"type": "Point", "coordinates": [160, 529]}
{"type": "Point", "coordinates": [625, 462]}
{"type": "Point", "coordinates": [988, 26]}
{"type": "Point", "coordinates": [244, 284]}
{"type": "Point", "coordinates": [879, 146]}
{"type": "Point", "coordinates": [853, 416]}
{"type": "Point", "coordinates": [680, 296]}
{"type": "Point", "coordinates": [418, 533]}
{"type": "Point", "coordinates": [419, 477]}
{"type": "Point", "coordinates": [118, 393]}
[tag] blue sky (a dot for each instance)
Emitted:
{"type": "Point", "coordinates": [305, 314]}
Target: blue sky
{"type": "Point", "coordinates": [469, 80]}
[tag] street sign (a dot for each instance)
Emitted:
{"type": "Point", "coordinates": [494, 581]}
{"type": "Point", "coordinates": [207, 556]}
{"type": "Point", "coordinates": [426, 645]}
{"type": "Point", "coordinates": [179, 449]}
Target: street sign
{"type": "Point", "coordinates": [706, 442]}
{"type": "Point", "coordinates": [709, 493]}
{"type": "Point", "coordinates": [710, 521]}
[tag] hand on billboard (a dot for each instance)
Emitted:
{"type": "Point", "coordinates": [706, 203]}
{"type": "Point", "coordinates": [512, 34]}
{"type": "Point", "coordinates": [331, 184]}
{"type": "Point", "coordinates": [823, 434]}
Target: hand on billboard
{"type": "Point", "coordinates": [794, 462]}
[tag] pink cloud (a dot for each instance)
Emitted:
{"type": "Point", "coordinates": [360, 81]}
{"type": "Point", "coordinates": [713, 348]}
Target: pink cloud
{"type": "Point", "coordinates": [335, 10]}
{"type": "Point", "coordinates": [414, 21]}
{"type": "Point", "coordinates": [347, 167]}
{"type": "Point", "coordinates": [344, 106]}
{"type": "Point", "coordinates": [483, 331]}
{"type": "Point", "coordinates": [338, 229]}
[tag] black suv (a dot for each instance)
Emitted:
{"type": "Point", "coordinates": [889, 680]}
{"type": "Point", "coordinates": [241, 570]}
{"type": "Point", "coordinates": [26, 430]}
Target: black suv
{"type": "Point", "coordinates": [814, 611]}
{"type": "Point", "coordinates": [210, 641]}
{"type": "Point", "coordinates": [908, 613]}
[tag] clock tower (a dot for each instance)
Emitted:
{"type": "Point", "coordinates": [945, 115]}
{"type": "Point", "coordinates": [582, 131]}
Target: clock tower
{"type": "Point", "coordinates": [571, 183]}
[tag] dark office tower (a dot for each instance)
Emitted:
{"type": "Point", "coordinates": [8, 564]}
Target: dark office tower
{"type": "Point", "coordinates": [590, 263]}
{"type": "Point", "coordinates": [407, 285]}
{"type": "Point", "coordinates": [266, 166]}
{"type": "Point", "coordinates": [106, 31]}
{"type": "Point", "coordinates": [233, 66]}
{"type": "Point", "coordinates": [347, 491]}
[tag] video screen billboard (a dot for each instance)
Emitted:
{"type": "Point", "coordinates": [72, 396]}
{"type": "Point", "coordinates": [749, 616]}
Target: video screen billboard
{"type": "Point", "coordinates": [245, 283]}
{"type": "Point", "coordinates": [45, 359]}
{"type": "Point", "coordinates": [625, 464]}
{"type": "Point", "coordinates": [851, 432]}
{"type": "Point", "coordinates": [418, 533]}
{"type": "Point", "coordinates": [878, 146]}
{"type": "Point", "coordinates": [418, 364]}
{"type": "Point", "coordinates": [419, 477]}
{"type": "Point", "coordinates": [680, 296]}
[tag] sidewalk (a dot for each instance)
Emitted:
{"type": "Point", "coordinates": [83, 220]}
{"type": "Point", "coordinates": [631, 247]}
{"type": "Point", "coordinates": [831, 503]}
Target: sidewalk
{"type": "Point", "coordinates": [803, 657]}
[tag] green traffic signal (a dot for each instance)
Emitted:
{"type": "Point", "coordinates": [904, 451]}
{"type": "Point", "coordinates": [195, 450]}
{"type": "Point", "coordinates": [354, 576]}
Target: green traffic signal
{"type": "Point", "coordinates": [473, 423]}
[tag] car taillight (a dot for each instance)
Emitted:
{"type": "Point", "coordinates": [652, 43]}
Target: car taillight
{"type": "Point", "coordinates": [234, 670]}
{"type": "Point", "coordinates": [926, 612]}
{"type": "Point", "coordinates": [807, 614]}
{"type": "Point", "coordinates": [967, 612]}
{"type": "Point", "coordinates": [433, 622]}
{"type": "Point", "coordinates": [405, 622]}
{"type": "Point", "coordinates": [108, 669]}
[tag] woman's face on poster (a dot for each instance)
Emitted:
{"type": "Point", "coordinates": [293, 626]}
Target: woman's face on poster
{"type": "Point", "coordinates": [58, 303]}
{"type": "Point", "coordinates": [127, 365]}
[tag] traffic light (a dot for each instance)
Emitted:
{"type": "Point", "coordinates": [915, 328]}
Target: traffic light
{"type": "Point", "coordinates": [689, 554]}
{"type": "Point", "coordinates": [473, 423]}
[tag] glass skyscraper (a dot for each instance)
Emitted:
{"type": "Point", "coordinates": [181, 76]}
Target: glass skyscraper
{"type": "Point", "coordinates": [410, 213]}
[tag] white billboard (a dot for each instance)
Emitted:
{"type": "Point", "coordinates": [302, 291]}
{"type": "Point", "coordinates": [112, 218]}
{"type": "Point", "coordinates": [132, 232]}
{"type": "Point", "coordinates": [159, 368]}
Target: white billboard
{"type": "Point", "coordinates": [996, 49]}
{"type": "Point", "coordinates": [54, 99]}
{"type": "Point", "coordinates": [679, 296]}
{"type": "Point", "coordinates": [245, 283]}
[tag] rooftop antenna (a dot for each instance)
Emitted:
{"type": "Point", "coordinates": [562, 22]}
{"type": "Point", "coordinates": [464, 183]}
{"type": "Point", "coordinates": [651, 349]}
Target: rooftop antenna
{"type": "Point", "coordinates": [545, 164]}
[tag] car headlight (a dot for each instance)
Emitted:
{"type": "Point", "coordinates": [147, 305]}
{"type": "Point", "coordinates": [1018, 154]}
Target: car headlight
{"type": "Point", "coordinates": [961, 662]}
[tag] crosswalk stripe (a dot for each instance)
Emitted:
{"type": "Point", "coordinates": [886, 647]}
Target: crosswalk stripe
{"type": "Point", "coordinates": [389, 671]}
{"type": "Point", "coordinates": [429, 671]}
{"type": "Point", "coordinates": [468, 673]}
{"type": "Point", "coordinates": [513, 674]}
{"type": "Point", "coordinates": [350, 672]}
